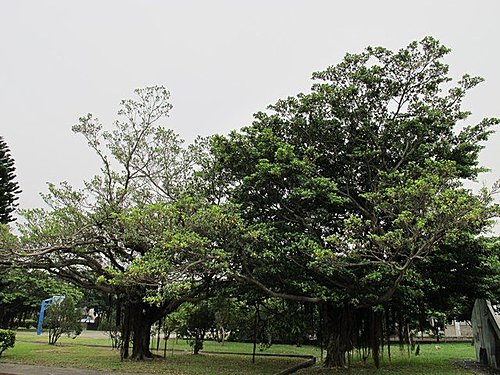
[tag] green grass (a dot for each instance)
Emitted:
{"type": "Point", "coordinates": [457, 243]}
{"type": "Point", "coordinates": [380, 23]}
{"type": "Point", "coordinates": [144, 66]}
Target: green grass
{"type": "Point", "coordinates": [433, 360]}
{"type": "Point", "coordinates": [233, 347]}
{"type": "Point", "coordinates": [106, 359]}
{"type": "Point", "coordinates": [32, 349]}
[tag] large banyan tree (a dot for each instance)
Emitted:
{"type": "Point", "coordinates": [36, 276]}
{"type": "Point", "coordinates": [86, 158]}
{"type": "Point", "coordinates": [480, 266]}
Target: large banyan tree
{"type": "Point", "coordinates": [95, 236]}
{"type": "Point", "coordinates": [356, 183]}
{"type": "Point", "coordinates": [337, 197]}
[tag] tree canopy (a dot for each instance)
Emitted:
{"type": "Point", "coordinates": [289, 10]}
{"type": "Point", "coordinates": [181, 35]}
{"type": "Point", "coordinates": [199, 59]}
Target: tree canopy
{"type": "Point", "coordinates": [91, 237]}
{"type": "Point", "coordinates": [358, 181]}
{"type": "Point", "coordinates": [350, 197]}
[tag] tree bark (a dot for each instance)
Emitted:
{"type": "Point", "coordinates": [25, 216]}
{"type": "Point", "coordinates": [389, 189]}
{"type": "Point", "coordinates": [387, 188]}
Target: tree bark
{"type": "Point", "coordinates": [198, 341]}
{"type": "Point", "coordinates": [138, 317]}
{"type": "Point", "coordinates": [348, 328]}
{"type": "Point", "coordinates": [3, 323]}
{"type": "Point", "coordinates": [137, 327]}
{"type": "Point", "coordinates": [340, 323]}
{"type": "Point", "coordinates": [126, 332]}
{"type": "Point", "coordinates": [376, 336]}
{"type": "Point", "coordinates": [141, 331]}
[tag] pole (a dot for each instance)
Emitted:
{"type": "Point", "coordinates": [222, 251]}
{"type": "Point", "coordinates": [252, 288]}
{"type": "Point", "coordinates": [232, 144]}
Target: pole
{"type": "Point", "coordinates": [165, 337]}
{"type": "Point", "coordinates": [40, 317]}
{"type": "Point", "coordinates": [158, 334]}
{"type": "Point", "coordinates": [255, 331]}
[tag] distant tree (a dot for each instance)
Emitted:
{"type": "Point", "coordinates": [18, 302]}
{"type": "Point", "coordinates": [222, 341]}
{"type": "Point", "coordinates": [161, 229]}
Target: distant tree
{"type": "Point", "coordinates": [9, 189]}
{"type": "Point", "coordinates": [63, 317]}
{"type": "Point", "coordinates": [194, 322]}
{"type": "Point", "coordinates": [110, 325]}
{"type": "Point", "coordinates": [21, 292]}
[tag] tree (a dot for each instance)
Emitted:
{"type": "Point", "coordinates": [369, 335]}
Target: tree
{"type": "Point", "coordinates": [197, 320]}
{"type": "Point", "coordinates": [9, 188]}
{"type": "Point", "coordinates": [22, 291]}
{"type": "Point", "coordinates": [7, 340]}
{"type": "Point", "coordinates": [459, 272]}
{"type": "Point", "coordinates": [63, 317]}
{"type": "Point", "coordinates": [357, 182]}
{"type": "Point", "coordinates": [91, 237]}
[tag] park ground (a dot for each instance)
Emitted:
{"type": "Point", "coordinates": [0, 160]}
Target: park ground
{"type": "Point", "coordinates": [91, 351]}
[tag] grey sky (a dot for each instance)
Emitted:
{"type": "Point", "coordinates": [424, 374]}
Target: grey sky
{"type": "Point", "coordinates": [221, 60]}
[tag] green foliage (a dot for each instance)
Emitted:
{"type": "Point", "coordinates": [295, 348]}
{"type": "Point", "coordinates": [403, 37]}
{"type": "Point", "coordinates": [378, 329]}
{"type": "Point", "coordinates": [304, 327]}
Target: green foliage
{"type": "Point", "coordinates": [9, 188]}
{"type": "Point", "coordinates": [232, 317]}
{"type": "Point", "coordinates": [7, 340]}
{"type": "Point", "coordinates": [22, 290]}
{"type": "Point", "coordinates": [92, 236]}
{"type": "Point", "coordinates": [362, 177]}
{"type": "Point", "coordinates": [97, 237]}
{"type": "Point", "coordinates": [360, 180]}
{"type": "Point", "coordinates": [193, 321]}
{"type": "Point", "coordinates": [339, 197]}
{"type": "Point", "coordinates": [62, 317]}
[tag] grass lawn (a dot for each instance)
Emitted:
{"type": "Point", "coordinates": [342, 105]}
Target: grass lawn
{"type": "Point", "coordinates": [433, 360]}
{"type": "Point", "coordinates": [101, 339]}
{"type": "Point", "coordinates": [32, 349]}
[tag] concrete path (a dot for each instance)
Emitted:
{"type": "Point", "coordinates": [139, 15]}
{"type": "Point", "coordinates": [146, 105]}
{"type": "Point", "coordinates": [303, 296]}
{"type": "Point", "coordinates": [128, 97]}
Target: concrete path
{"type": "Point", "coordinates": [18, 369]}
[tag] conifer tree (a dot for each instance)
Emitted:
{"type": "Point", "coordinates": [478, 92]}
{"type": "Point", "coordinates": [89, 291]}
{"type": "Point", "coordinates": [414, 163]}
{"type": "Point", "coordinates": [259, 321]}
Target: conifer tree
{"type": "Point", "coordinates": [9, 189]}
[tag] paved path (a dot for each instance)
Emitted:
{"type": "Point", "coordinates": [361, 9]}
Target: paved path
{"type": "Point", "coordinates": [18, 369]}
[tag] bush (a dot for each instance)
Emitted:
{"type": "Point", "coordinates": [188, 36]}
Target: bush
{"type": "Point", "coordinates": [7, 339]}
{"type": "Point", "coordinates": [63, 317]}
{"type": "Point", "coordinates": [195, 320]}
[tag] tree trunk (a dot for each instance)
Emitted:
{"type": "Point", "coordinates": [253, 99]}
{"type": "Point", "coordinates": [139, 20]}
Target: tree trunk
{"type": "Point", "coordinates": [198, 341]}
{"type": "Point", "coordinates": [126, 332]}
{"type": "Point", "coordinates": [340, 322]}
{"type": "Point", "coordinates": [141, 332]}
{"type": "Point", "coordinates": [137, 327]}
{"type": "Point", "coordinates": [3, 324]}
{"type": "Point", "coordinates": [376, 335]}
{"type": "Point", "coordinates": [138, 317]}
{"type": "Point", "coordinates": [348, 328]}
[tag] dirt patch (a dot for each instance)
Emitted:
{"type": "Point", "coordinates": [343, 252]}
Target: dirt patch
{"type": "Point", "coordinates": [477, 368]}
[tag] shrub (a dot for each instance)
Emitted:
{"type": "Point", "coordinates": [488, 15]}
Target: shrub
{"type": "Point", "coordinates": [63, 317]}
{"type": "Point", "coordinates": [7, 339]}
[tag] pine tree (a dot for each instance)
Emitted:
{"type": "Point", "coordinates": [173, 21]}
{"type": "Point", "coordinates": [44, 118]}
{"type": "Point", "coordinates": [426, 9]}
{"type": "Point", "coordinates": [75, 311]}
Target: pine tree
{"type": "Point", "coordinates": [9, 189]}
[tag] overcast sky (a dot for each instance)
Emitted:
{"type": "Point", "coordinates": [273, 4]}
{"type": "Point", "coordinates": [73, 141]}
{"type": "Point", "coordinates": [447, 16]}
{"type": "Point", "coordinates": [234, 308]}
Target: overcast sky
{"type": "Point", "coordinates": [221, 60]}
